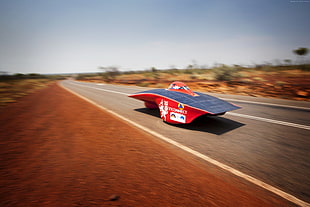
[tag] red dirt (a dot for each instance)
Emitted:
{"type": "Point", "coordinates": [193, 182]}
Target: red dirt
{"type": "Point", "coordinates": [58, 150]}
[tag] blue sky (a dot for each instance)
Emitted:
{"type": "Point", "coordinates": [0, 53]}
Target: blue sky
{"type": "Point", "coordinates": [63, 36]}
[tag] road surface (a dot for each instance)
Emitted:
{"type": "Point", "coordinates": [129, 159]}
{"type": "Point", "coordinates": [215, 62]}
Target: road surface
{"type": "Point", "coordinates": [267, 139]}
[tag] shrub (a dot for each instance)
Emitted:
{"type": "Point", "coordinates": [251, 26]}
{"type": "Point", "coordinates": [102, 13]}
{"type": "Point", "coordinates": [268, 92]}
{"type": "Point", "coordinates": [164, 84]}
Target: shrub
{"type": "Point", "coordinates": [225, 73]}
{"type": "Point", "coordinates": [81, 77]}
{"type": "Point", "coordinates": [194, 77]}
{"type": "Point", "coordinates": [143, 84]}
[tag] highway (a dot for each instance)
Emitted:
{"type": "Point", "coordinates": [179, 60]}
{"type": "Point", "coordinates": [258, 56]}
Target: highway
{"type": "Point", "coordinates": [268, 139]}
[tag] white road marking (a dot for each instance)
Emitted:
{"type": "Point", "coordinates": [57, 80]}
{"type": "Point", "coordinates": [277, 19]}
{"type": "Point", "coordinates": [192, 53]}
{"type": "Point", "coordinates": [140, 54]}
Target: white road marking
{"type": "Point", "coordinates": [267, 104]}
{"type": "Point", "coordinates": [101, 89]}
{"type": "Point", "coordinates": [238, 173]}
{"type": "Point", "coordinates": [270, 120]}
{"type": "Point", "coordinates": [300, 126]}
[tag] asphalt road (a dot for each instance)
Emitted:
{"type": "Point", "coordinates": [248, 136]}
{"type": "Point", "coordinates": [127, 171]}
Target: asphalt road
{"type": "Point", "coordinates": [268, 139]}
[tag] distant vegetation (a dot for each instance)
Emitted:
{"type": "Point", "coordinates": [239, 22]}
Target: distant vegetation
{"type": "Point", "coordinates": [284, 79]}
{"type": "Point", "coordinates": [220, 72]}
{"type": "Point", "coordinates": [13, 87]}
{"type": "Point", "coordinates": [19, 76]}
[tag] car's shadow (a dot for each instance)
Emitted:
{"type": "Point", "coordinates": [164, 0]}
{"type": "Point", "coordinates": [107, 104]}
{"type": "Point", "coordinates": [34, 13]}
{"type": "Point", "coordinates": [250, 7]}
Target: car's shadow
{"type": "Point", "coordinates": [212, 124]}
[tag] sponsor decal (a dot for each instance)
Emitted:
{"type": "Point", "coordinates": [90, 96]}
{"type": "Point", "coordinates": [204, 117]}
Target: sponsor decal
{"type": "Point", "coordinates": [163, 107]}
{"type": "Point", "coordinates": [176, 114]}
{"type": "Point", "coordinates": [180, 106]}
{"type": "Point", "coordinates": [178, 110]}
{"type": "Point", "coordinates": [178, 117]}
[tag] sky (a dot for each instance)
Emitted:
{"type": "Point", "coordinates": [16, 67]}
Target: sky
{"type": "Point", "coordinates": [74, 36]}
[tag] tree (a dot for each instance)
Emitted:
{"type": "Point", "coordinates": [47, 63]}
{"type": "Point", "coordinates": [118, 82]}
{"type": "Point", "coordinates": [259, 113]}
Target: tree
{"type": "Point", "coordinates": [288, 61]}
{"type": "Point", "coordinates": [190, 66]}
{"type": "Point", "coordinates": [302, 51]}
{"type": "Point", "coordinates": [110, 72]}
{"type": "Point", "coordinates": [153, 69]}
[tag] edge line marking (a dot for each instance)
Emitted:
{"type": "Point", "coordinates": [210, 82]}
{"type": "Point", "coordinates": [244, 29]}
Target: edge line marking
{"type": "Point", "coordinates": [238, 173]}
{"type": "Point", "coordinates": [267, 104]}
{"type": "Point", "coordinates": [101, 89]}
{"type": "Point", "coordinates": [270, 120]}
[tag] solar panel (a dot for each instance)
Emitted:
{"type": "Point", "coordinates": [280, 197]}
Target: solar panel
{"type": "Point", "coordinates": [203, 101]}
